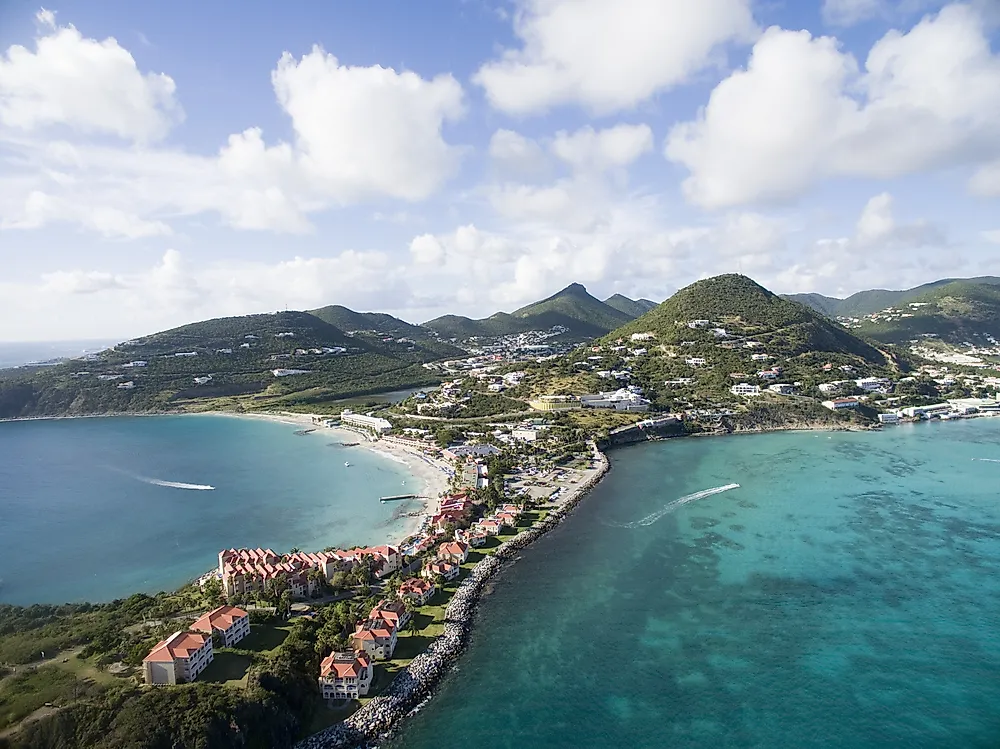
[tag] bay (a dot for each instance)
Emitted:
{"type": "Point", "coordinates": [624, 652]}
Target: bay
{"type": "Point", "coordinates": [98, 509]}
{"type": "Point", "coordinates": [846, 594]}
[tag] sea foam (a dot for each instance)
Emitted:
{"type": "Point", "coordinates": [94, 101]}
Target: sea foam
{"type": "Point", "coordinates": [671, 506]}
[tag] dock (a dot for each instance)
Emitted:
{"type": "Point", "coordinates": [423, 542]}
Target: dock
{"type": "Point", "coordinates": [399, 497]}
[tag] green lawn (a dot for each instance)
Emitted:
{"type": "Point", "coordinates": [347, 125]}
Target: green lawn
{"type": "Point", "coordinates": [25, 692]}
{"type": "Point", "coordinates": [265, 638]}
{"type": "Point", "coordinates": [227, 668]}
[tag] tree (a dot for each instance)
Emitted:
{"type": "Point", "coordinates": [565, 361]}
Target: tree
{"type": "Point", "coordinates": [212, 591]}
{"type": "Point", "coordinates": [285, 603]}
{"type": "Point", "coordinates": [411, 626]}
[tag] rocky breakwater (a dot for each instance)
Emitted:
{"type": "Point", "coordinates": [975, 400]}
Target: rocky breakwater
{"type": "Point", "coordinates": [414, 684]}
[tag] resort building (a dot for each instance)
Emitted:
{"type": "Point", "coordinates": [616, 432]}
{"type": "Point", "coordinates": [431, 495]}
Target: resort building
{"type": "Point", "coordinates": [840, 404]}
{"type": "Point", "coordinates": [377, 638]}
{"type": "Point", "coordinates": [453, 551]}
{"type": "Point", "coordinates": [782, 389]}
{"type": "Point", "coordinates": [744, 389]}
{"type": "Point", "coordinates": [477, 539]}
{"type": "Point", "coordinates": [447, 570]}
{"type": "Point", "coordinates": [554, 402]}
{"type": "Point", "coordinates": [416, 590]}
{"type": "Point", "coordinates": [231, 623]}
{"type": "Point", "coordinates": [888, 418]}
{"type": "Point", "coordinates": [247, 571]}
{"type": "Point", "coordinates": [393, 612]}
{"type": "Point", "coordinates": [366, 423]}
{"type": "Point", "coordinates": [620, 400]}
{"type": "Point", "coordinates": [481, 452]}
{"type": "Point", "coordinates": [489, 526]}
{"type": "Point", "coordinates": [872, 384]}
{"type": "Point", "coordinates": [346, 675]}
{"type": "Point", "coordinates": [178, 659]}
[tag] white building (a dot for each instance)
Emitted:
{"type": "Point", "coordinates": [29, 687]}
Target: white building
{"type": "Point", "coordinates": [126, 385]}
{"type": "Point", "coordinates": [620, 400]}
{"type": "Point", "coordinates": [840, 404]}
{"type": "Point", "coordinates": [719, 332]}
{"type": "Point", "coordinates": [178, 659]}
{"type": "Point", "coordinates": [345, 676]}
{"type": "Point", "coordinates": [871, 384]}
{"type": "Point", "coordinates": [888, 418]}
{"type": "Point", "coordinates": [782, 389]}
{"type": "Point", "coordinates": [745, 389]}
{"type": "Point", "coordinates": [695, 361]}
{"type": "Point", "coordinates": [699, 323]}
{"type": "Point", "coordinates": [231, 623]}
{"type": "Point", "coordinates": [288, 372]}
{"type": "Point", "coordinates": [642, 336]}
{"type": "Point", "coordinates": [759, 357]}
{"type": "Point", "coordinates": [368, 423]}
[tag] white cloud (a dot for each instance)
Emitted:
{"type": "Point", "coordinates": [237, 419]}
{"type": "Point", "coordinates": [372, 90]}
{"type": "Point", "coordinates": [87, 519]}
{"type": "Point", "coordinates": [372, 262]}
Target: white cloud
{"type": "Point", "coordinates": [368, 131]}
{"type": "Point", "coordinates": [986, 181]}
{"type": "Point", "coordinates": [882, 253]}
{"type": "Point", "coordinates": [360, 133]}
{"type": "Point", "coordinates": [803, 111]}
{"type": "Point", "coordinates": [513, 153]}
{"type": "Point", "coordinates": [609, 56]}
{"type": "Point", "coordinates": [98, 303]}
{"type": "Point", "coordinates": [612, 148]}
{"type": "Point", "coordinates": [991, 236]}
{"type": "Point", "coordinates": [83, 84]}
{"type": "Point", "coordinates": [850, 12]}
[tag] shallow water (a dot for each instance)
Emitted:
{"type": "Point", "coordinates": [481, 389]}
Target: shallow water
{"type": "Point", "coordinates": [96, 509]}
{"type": "Point", "coordinates": [846, 594]}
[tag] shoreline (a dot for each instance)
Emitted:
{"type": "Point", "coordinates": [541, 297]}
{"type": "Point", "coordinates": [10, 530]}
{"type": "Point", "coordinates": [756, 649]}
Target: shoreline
{"type": "Point", "coordinates": [412, 686]}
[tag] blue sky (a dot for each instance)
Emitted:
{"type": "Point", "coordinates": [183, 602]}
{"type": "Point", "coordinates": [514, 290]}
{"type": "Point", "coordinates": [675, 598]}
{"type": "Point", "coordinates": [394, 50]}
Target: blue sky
{"type": "Point", "coordinates": [163, 163]}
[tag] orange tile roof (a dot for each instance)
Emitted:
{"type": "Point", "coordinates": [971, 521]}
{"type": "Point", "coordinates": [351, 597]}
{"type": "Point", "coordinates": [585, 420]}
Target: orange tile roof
{"type": "Point", "coordinates": [178, 645]}
{"type": "Point", "coordinates": [220, 618]}
{"type": "Point", "coordinates": [343, 665]}
{"type": "Point", "coordinates": [453, 548]}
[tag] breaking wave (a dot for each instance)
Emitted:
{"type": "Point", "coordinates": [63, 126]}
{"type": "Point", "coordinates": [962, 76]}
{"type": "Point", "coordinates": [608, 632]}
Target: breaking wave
{"type": "Point", "coordinates": [671, 506]}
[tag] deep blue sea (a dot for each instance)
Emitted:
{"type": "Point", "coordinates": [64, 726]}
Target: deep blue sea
{"type": "Point", "coordinates": [846, 595]}
{"type": "Point", "coordinates": [97, 509]}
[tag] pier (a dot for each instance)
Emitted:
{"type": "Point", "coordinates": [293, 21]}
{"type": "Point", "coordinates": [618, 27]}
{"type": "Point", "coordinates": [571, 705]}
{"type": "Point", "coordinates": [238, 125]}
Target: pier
{"type": "Point", "coordinates": [399, 497]}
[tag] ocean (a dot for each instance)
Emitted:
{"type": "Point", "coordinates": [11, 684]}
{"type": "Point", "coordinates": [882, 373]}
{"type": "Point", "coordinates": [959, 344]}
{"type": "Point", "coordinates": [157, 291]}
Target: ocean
{"type": "Point", "coordinates": [98, 509]}
{"type": "Point", "coordinates": [846, 594]}
{"type": "Point", "coordinates": [17, 354]}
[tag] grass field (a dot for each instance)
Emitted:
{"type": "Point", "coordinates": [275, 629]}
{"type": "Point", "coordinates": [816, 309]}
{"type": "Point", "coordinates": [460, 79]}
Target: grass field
{"type": "Point", "coordinates": [265, 638]}
{"type": "Point", "coordinates": [227, 668]}
{"type": "Point", "coordinates": [24, 692]}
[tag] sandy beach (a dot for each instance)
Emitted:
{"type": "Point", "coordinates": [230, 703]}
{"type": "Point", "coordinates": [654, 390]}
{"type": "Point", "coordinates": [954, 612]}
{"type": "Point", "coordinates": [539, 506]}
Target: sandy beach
{"type": "Point", "coordinates": [430, 474]}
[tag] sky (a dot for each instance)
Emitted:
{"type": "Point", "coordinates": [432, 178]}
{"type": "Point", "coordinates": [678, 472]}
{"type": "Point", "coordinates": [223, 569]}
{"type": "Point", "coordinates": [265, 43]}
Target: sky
{"type": "Point", "coordinates": [162, 163]}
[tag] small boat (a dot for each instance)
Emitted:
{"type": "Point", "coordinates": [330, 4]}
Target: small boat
{"type": "Point", "coordinates": [346, 464]}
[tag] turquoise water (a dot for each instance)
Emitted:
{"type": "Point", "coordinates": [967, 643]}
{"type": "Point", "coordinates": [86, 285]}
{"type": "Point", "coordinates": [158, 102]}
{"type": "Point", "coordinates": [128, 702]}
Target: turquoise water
{"type": "Point", "coordinates": [847, 594]}
{"type": "Point", "coordinates": [81, 519]}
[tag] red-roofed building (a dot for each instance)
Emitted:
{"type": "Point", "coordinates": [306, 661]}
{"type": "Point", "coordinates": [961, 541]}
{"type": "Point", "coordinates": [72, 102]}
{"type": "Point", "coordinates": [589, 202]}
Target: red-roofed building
{"type": "Point", "coordinates": [453, 551]}
{"type": "Point", "coordinates": [388, 558]}
{"type": "Point", "coordinates": [489, 526]}
{"type": "Point", "coordinates": [477, 539]}
{"type": "Point", "coordinates": [376, 637]}
{"type": "Point", "coordinates": [178, 659]}
{"type": "Point", "coordinates": [231, 623]}
{"type": "Point", "coordinates": [506, 518]}
{"type": "Point", "coordinates": [393, 612]}
{"type": "Point", "coordinates": [345, 676]}
{"type": "Point", "coordinates": [447, 570]}
{"type": "Point", "coordinates": [416, 590]}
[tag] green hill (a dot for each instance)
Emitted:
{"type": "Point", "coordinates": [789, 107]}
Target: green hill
{"type": "Point", "coordinates": [875, 300]}
{"type": "Point", "coordinates": [378, 326]}
{"type": "Point", "coordinates": [630, 307]}
{"type": "Point", "coordinates": [747, 310]}
{"type": "Point", "coordinates": [233, 359]}
{"type": "Point", "coordinates": [956, 313]}
{"type": "Point", "coordinates": [573, 308]}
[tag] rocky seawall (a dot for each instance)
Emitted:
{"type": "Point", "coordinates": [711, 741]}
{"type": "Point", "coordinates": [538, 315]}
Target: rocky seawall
{"type": "Point", "coordinates": [414, 684]}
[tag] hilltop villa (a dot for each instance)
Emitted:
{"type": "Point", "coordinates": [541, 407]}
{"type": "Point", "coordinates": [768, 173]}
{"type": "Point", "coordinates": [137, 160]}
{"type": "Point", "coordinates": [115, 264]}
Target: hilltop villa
{"type": "Point", "coordinates": [231, 623]}
{"type": "Point", "coordinates": [345, 676]}
{"type": "Point", "coordinates": [178, 659]}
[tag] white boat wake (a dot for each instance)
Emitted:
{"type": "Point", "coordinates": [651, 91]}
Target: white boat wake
{"type": "Point", "coordinates": [177, 484]}
{"type": "Point", "coordinates": [988, 460]}
{"type": "Point", "coordinates": [671, 506]}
